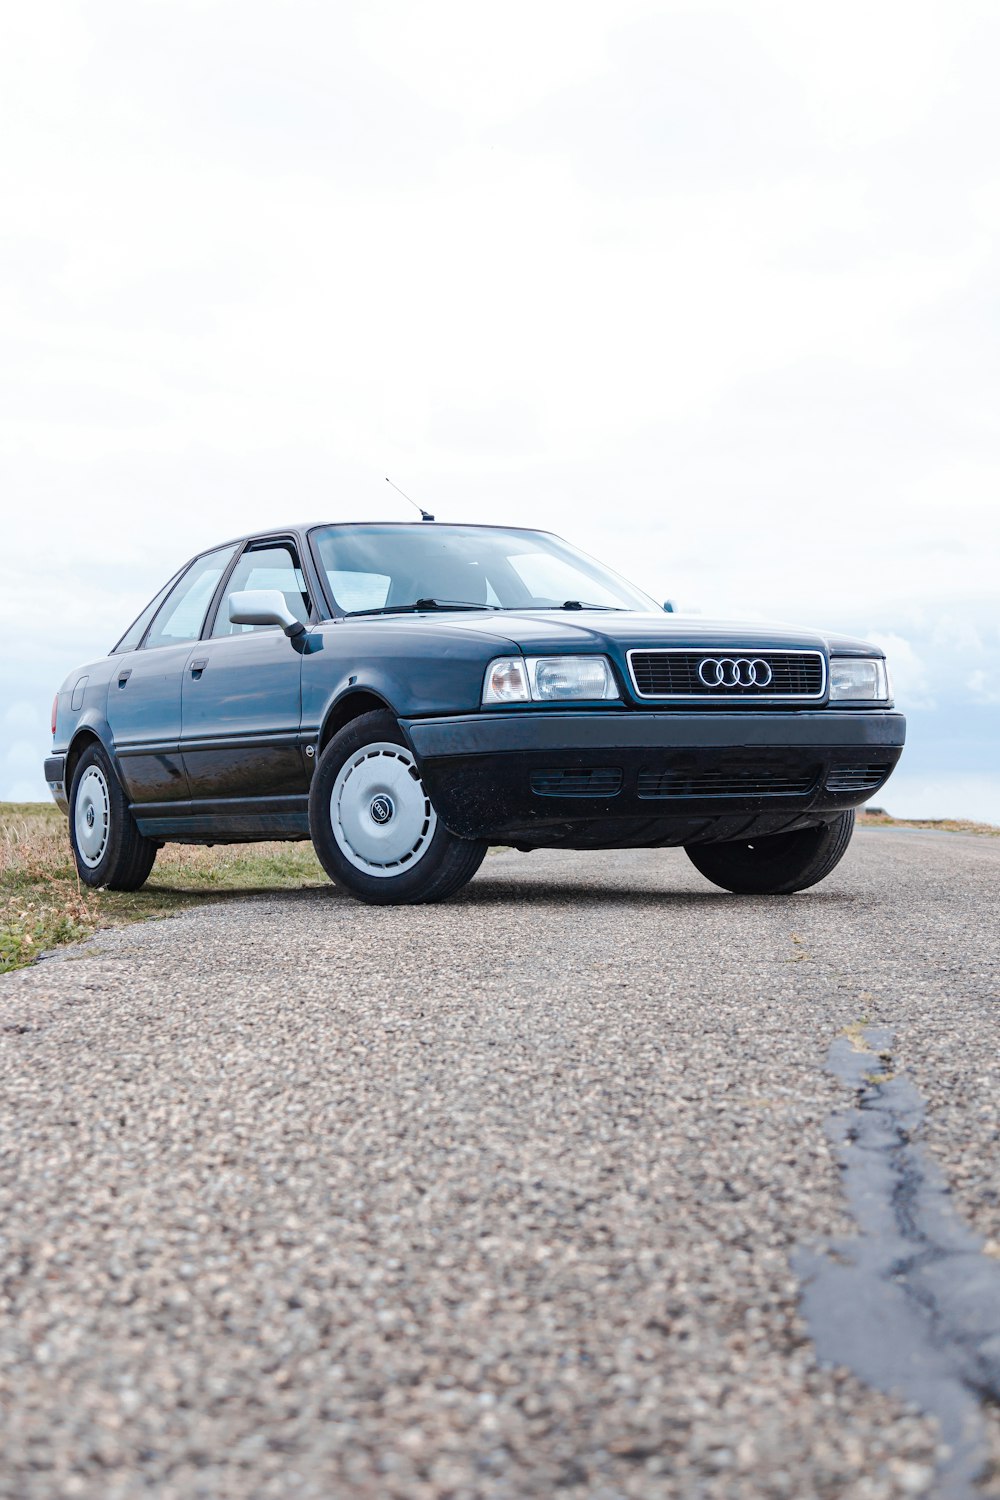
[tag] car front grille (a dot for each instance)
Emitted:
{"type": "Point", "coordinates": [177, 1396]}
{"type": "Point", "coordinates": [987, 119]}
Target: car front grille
{"type": "Point", "coordinates": [587, 781]}
{"type": "Point", "coordinates": [857, 778]}
{"type": "Point", "coordinates": [675, 673]}
{"type": "Point", "coordinates": [727, 782]}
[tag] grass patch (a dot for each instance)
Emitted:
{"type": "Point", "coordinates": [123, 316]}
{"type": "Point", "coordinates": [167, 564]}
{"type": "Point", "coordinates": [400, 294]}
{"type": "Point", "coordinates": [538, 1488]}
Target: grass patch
{"type": "Point", "coordinates": [875, 817]}
{"type": "Point", "coordinates": [43, 904]}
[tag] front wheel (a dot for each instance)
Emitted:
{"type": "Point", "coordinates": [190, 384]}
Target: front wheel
{"type": "Point", "coordinates": [373, 824]}
{"type": "Point", "coordinates": [778, 864]}
{"type": "Point", "coordinates": [108, 848]}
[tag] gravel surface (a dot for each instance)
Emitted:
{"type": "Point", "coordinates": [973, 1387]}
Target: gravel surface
{"type": "Point", "coordinates": [493, 1199]}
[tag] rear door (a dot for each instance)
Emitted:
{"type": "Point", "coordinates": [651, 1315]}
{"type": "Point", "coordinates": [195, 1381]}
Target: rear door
{"type": "Point", "coordinates": [144, 695]}
{"type": "Point", "coordinates": [242, 697]}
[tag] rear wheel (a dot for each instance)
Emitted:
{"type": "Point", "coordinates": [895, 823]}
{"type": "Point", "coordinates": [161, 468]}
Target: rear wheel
{"type": "Point", "coordinates": [373, 824]}
{"type": "Point", "coordinates": [108, 848]}
{"type": "Point", "coordinates": [778, 864]}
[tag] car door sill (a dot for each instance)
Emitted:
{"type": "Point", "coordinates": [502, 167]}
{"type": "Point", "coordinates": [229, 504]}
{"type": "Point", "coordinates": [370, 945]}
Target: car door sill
{"type": "Point", "coordinates": [225, 819]}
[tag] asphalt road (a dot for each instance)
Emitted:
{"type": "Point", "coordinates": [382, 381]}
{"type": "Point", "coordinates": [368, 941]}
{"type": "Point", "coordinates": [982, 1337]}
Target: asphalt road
{"type": "Point", "coordinates": [500, 1198]}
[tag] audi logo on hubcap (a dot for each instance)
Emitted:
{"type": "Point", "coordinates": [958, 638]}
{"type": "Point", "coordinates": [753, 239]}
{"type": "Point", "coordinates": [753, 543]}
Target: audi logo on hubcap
{"type": "Point", "coordinates": [734, 671]}
{"type": "Point", "coordinates": [382, 809]}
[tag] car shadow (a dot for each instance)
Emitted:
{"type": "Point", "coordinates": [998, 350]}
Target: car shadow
{"type": "Point", "coordinates": [497, 890]}
{"type": "Point", "coordinates": [486, 891]}
{"type": "Point", "coordinates": [240, 892]}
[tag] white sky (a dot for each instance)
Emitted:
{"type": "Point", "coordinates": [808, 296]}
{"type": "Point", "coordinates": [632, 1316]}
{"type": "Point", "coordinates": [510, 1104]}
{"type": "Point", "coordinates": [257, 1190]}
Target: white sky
{"type": "Point", "coordinates": [711, 289]}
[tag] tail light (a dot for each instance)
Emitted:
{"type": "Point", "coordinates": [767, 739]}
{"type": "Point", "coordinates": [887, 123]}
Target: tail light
{"type": "Point", "coordinates": [55, 710]}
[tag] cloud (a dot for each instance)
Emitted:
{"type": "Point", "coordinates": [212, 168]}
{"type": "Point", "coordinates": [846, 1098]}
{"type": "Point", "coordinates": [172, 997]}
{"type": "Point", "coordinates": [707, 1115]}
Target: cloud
{"type": "Point", "coordinates": [984, 686]}
{"type": "Point", "coordinates": [21, 717]}
{"type": "Point", "coordinates": [909, 671]}
{"type": "Point", "coordinates": [949, 794]}
{"type": "Point", "coordinates": [26, 742]}
{"type": "Point", "coordinates": [711, 290]}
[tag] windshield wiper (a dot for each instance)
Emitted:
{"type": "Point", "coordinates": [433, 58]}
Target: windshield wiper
{"type": "Point", "coordinates": [420, 604]}
{"type": "Point", "coordinates": [570, 604]}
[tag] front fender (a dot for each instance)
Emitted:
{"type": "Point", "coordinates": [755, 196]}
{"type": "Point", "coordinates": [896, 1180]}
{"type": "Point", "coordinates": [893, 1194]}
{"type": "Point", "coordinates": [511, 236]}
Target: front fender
{"type": "Point", "coordinates": [344, 706]}
{"type": "Point", "coordinates": [416, 670]}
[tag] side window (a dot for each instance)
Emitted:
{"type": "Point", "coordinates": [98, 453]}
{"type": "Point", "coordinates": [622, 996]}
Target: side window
{"type": "Point", "coordinates": [268, 567]}
{"type": "Point", "coordinates": [182, 615]}
{"type": "Point", "coordinates": [137, 630]}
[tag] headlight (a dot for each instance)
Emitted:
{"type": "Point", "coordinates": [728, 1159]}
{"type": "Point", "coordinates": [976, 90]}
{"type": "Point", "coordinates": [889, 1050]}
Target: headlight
{"type": "Point", "coordinates": [548, 679]}
{"type": "Point", "coordinates": [586, 677]}
{"type": "Point", "coordinates": [859, 677]}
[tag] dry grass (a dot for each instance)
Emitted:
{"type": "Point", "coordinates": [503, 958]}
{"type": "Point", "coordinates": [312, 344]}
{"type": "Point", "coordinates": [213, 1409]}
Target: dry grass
{"type": "Point", "coordinates": [875, 817]}
{"type": "Point", "coordinates": [43, 903]}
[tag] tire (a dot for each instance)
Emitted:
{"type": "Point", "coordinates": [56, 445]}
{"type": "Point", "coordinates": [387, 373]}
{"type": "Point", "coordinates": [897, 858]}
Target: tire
{"type": "Point", "coordinates": [108, 848]}
{"type": "Point", "coordinates": [373, 825]}
{"type": "Point", "coordinates": [778, 864]}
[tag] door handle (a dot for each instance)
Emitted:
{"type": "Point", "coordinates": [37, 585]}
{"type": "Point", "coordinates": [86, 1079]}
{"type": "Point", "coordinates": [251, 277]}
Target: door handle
{"type": "Point", "coordinates": [124, 676]}
{"type": "Point", "coordinates": [197, 667]}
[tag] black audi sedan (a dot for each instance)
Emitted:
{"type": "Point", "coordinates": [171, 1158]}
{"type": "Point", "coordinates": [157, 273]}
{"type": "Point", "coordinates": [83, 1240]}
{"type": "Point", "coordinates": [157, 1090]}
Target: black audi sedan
{"type": "Point", "coordinates": [404, 694]}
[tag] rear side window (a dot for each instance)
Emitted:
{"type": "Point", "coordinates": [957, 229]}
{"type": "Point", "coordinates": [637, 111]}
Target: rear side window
{"type": "Point", "coordinates": [182, 613]}
{"type": "Point", "coordinates": [137, 630]}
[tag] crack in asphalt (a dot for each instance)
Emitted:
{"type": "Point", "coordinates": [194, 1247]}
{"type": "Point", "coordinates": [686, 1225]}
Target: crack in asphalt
{"type": "Point", "coordinates": [912, 1305]}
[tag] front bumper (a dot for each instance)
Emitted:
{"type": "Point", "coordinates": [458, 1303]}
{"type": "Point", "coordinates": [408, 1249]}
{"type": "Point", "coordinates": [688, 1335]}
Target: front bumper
{"type": "Point", "coordinates": [55, 775]}
{"type": "Point", "coordinates": [606, 778]}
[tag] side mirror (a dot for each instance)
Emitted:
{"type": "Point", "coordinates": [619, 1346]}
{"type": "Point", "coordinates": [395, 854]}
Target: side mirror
{"type": "Point", "coordinates": [670, 606]}
{"type": "Point", "coordinates": [264, 607]}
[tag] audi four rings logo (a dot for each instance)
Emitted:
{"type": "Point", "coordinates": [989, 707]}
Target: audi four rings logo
{"type": "Point", "coordinates": [734, 671]}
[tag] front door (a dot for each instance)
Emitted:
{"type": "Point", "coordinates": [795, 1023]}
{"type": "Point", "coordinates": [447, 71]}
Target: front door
{"type": "Point", "coordinates": [241, 704]}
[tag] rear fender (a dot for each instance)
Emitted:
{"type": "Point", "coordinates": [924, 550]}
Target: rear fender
{"type": "Point", "coordinates": [91, 728]}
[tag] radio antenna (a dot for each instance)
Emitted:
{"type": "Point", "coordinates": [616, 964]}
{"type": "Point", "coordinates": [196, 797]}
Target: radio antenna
{"type": "Point", "coordinates": [425, 515]}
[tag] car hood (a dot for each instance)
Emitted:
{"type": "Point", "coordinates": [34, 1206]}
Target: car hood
{"type": "Point", "coordinates": [548, 631]}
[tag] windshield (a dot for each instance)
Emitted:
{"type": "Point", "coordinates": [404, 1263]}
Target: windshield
{"type": "Point", "coordinates": [384, 569]}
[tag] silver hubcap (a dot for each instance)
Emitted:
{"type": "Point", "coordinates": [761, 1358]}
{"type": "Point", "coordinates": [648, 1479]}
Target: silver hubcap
{"type": "Point", "coordinates": [92, 816]}
{"type": "Point", "coordinates": [381, 816]}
